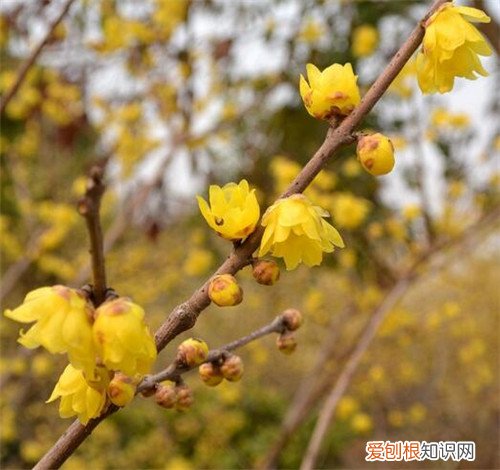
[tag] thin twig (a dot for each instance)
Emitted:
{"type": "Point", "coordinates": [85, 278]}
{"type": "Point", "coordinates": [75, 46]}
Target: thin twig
{"type": "Point", "coordinates": [310, 390]}
{"type": "Point", "coordinates": [344, 379]}
{"type": "Point", "coordinates": [89, 207]}
{"type": "Point", "coordinates": [174, 370]}
{"type": "Point", "coordinates": [184, 316]}
{"type": "Point", "coordinates": [23, 71]}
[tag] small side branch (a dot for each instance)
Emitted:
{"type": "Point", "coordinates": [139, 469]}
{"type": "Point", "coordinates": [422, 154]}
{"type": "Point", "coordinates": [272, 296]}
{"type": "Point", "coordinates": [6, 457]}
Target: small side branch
{"type": "Point", "coordinates": [174, 370]}
{"type": "Point", "coordinates": [89, 207]}
{"type": "Point", "coordinates": [23, 71]}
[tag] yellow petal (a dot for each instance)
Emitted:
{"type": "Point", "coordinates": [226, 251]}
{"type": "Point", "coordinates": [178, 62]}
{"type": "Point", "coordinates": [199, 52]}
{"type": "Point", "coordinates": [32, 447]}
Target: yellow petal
{"type": "Point", "coordinates": [473, 14]}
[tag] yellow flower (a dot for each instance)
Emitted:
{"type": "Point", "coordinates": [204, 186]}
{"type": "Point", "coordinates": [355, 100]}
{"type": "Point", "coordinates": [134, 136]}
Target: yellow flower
{"type": "Point", "coordinates": [122, 338]}
{"type": "Point", "coordinates": [333, 92]}
{"type": "Point", "coordinates": [450, 48]}
{"type": "Point", "coordinates": [296, 231]}
{"type": "Point", "coordinates": [62, 324]}
{"type": "Point", "coordinates": [349, 211]}
{"type": "Point", "coordinates": [364, 40]}
{"type": "Point", "coordinates": [78, 397]}
{"type": "Point", "coordinates": [233, 212]}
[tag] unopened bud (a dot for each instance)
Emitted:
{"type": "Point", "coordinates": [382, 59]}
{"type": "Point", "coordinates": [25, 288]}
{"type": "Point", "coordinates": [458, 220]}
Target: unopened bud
{"type": "Point", "coordinates": [166, 395]}
{"type": "Point", "coordinates": [121, 389]}
{"type": "Point", "coordinates": [192, 352]}
{"type": "Point", "coordinates": [225, 291]}
{"type": "Point", "coordinates": [286, 343]}
{"type": "Point", "coordinates": [376, 154]}
{"type": "Point", "coordinates": [210, 374]}
{"type": "Point", "coordinates": [184, 397]}
{"type": "Point", "coordinates": [266, 272]}
{"type": "Point", "coordinates": [232, 368]}
{"type": "Point", "coordinates": [292, 319]}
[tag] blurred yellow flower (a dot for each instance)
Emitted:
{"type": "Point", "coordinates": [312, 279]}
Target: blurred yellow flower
{"type": "Point", "coordinates": [349, 211]}
{"type": "Point", "coordinates": [451, 47]}
{"type": "Point", "coordinates": [442, 118]}
{"type": "Point", "coordinates": [412, 212]}
{"type": "Point", "coordinates": [296, 231]}
{"type": "Point", "coordinates": [233, 212]}
{"type": "Point", "coordinates": [333, 92]}
{"type": "Point", "coordinates": [347, 407]}
{"type": "Point", "coordinates": [62, 324]}
{"type": "Point", "coordinates": [122, 338]}
{"type": "Point", "coordinates": [198, 262]}
{"type": "Point", "coordinates": [312, 31]}
{"type": "Point", "coordinates": [79, 398]}
{"type": "Point", "coordinates": [364, 40]}
{"type": "Point", "coordinates": [361, 423]}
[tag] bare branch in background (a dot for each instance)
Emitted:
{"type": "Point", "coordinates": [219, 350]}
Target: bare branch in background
{"type": "Point", "coordinates": [396, 293]}
{"type": "Point", "coordinates": [23, 71]}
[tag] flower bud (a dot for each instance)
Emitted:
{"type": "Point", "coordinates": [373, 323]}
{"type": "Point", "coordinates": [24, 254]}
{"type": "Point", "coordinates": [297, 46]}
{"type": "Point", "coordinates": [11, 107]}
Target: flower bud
{"type": "Point", "coordinates": [266, 272]}
{"type": "Point", "coordinates": [292, 319]}
{"type": "Point", "coordinates": [232, 369]}
{"type": "Point", "coordinates": [192, 352]}
{"type": "Point", "coordinates": [376, 154]}
{"type": "Point", "coordinates": [184, 397]}
{"type": "Point", "coordinates": [286, 343]}
{"type": "Point", "coordinates": [225, 291]}
{"type": "Point", "coordinates": [210, 374]}
{"type": "Point", "coordinates": [121, 389]}
{"type": "Point", "coordinates": [166, 395]}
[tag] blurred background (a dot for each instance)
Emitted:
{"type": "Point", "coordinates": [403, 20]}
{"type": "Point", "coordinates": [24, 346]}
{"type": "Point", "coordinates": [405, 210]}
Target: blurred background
{"type": "Point", "coordinates": [173, 95]}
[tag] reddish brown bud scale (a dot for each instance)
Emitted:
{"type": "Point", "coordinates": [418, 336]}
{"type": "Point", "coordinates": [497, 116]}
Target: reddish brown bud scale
{"type": "Point", "coordinates": [292, 319]}
{"type": "Point", "coordinates": [210, 374]}
{"type": "Point", "coordinates": [266, 272]}
{"type": "Point", "coordinates": [184, 397]}
{"type": "Point", "coordinates": [166, 396]}
{"type": "Point", "coordinates": [232, 368]}
{"type": "Point", "coordinates": [192, 352]}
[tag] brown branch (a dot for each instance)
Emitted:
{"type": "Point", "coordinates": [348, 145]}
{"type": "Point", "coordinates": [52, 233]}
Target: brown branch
{"type": "Point", "coordinates": [184, 316]}
{"type": "Point", "coordinates": [23, 71]}
{"type": "Point", "coordinates": [89, 207]}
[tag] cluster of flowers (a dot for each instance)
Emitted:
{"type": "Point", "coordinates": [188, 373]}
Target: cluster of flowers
{"type": "Point", "coordinates": [109, 348]}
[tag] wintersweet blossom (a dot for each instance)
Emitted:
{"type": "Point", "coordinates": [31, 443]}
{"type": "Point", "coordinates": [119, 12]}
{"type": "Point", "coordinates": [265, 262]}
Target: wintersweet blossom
{"type": "Point", "coordinates": [296, 231]}
{"type": "Point", "coordinates": [79, 397]}
{"type": "Point", "coordinates": [330, 93]}
{"type": "Point", "coordinates": [122, 338]}
{"type": "Point", "coordinates": [62, 324]}
{"type": "Point", "coordinates": [451, 47]}
{"type": "Point", "coordinates": [233, 211]}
